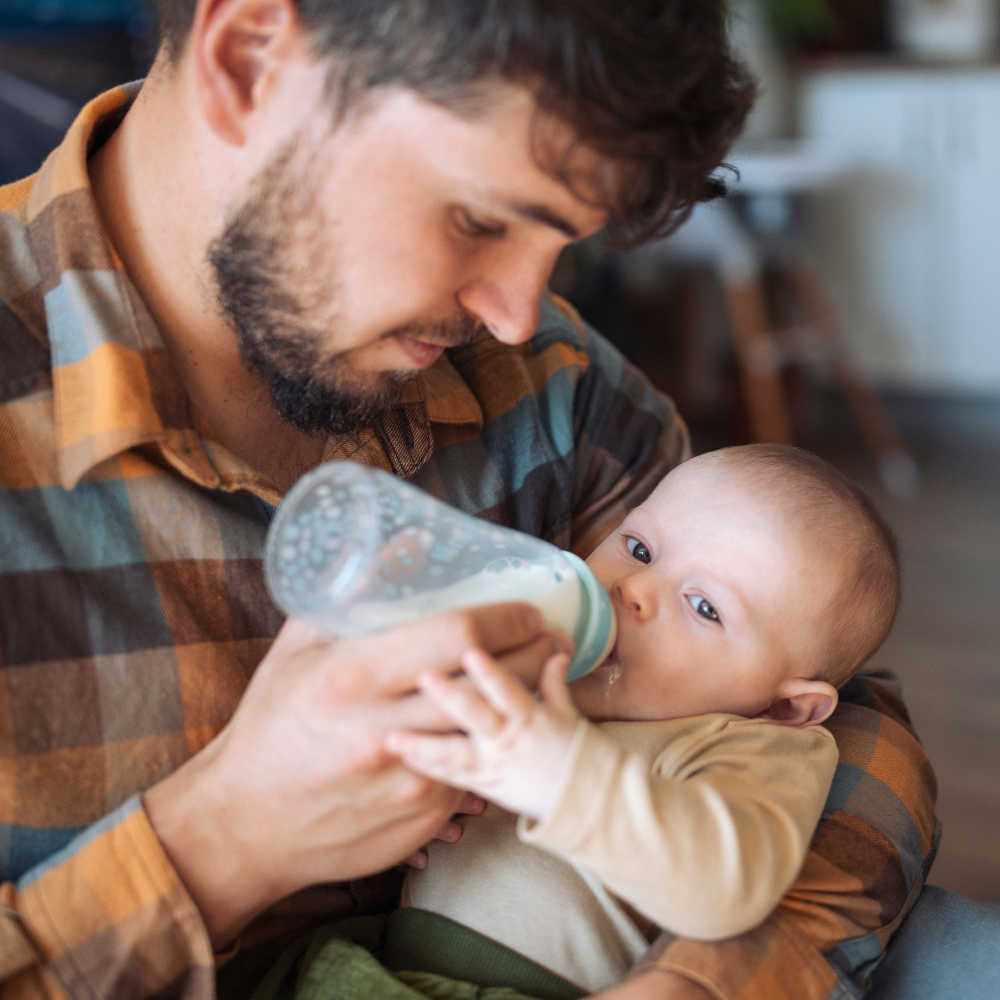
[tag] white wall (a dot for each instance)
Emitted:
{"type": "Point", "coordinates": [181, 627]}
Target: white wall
{"type": "Point", "coordinates": [911, 240]}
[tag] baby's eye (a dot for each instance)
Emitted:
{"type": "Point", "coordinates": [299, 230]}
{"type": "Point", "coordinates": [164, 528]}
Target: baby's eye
{"type": "Point", "coordinates": [639, 550]}
{"type": "Point", "coordinates": [703, 607]}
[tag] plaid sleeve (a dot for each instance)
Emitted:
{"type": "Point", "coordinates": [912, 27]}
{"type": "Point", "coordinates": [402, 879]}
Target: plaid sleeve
{"type": "Point", "coordinates": [866, 867]}
{"type": "Point", "coordinates": [106, 916]}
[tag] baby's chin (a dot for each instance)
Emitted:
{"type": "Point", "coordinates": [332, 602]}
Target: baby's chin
{"type": "Point", "coordinates": [594, 693]}
{"type": "Point", "coordinates": [609, 667]}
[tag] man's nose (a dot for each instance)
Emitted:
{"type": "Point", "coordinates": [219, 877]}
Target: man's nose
{"type": "Point", "coordinates": [506, 297]}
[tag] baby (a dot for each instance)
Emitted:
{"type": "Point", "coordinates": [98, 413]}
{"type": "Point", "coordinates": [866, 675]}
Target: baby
{"type": "Point", "coordinates": [750, 585]}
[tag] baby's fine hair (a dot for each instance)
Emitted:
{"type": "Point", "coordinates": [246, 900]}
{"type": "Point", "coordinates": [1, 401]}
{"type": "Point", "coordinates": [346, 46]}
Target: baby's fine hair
{"type": "Point", "coordinates": [837, 516]}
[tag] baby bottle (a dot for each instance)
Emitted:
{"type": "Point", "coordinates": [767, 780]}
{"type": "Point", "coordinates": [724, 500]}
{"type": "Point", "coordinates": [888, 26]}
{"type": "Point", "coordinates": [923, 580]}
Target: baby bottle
{"type": "Point", "coordinates": [353, 550]}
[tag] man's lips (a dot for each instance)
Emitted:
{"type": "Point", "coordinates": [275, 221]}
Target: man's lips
{"type": "Point", "coordinates": [422, 354]}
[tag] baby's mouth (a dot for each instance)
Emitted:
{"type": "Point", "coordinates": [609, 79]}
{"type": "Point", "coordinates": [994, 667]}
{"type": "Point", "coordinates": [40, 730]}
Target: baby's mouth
{"type": "Point", "coordinates": [611, 660]}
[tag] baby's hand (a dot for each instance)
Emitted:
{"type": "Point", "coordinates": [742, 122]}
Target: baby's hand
{"type": "Point", "coordinates": [515, 747]}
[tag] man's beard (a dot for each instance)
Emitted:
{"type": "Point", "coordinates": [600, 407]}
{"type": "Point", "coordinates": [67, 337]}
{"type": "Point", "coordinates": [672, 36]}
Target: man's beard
{"type": "Point", "coordinates": [273, 266]}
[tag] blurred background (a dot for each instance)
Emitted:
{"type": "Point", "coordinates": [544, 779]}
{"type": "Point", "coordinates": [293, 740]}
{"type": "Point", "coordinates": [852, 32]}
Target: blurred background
{"type": "Point", "coordinates": [844, 297]}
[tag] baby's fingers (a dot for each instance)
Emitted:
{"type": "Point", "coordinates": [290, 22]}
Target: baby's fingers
{"type": "Point", "coordinates": [499, 687]}
{"type": "Point", "coordinates": [553, 687]}
{"type": "Point", "coordinates": [447, 759]}
{"type": "Point", "coordinates": [462, 703]}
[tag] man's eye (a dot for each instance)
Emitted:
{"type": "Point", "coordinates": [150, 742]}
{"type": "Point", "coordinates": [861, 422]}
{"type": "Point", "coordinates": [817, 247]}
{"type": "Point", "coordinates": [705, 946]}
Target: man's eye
{"type": "Point", "coordinates": [473, 227]}
{"type": "Point", "coordinates": [639, 550]}
{"type": "Point", "coordinates": [703, 607]}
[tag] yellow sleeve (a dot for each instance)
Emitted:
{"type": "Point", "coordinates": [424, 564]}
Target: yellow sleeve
{"type": "Point", "coordinates": [706, 842]}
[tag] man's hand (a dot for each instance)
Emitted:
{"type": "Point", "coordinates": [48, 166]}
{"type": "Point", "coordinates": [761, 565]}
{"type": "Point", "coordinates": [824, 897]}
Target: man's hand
{"type": "Point", "coordinates": [298, 789]}
{"type": "Point", "coordinates": [515, 748]}
{"type": "Point", "coordinates": [655, 984]}
{"type": "Point", "coordinates": [450, 832]}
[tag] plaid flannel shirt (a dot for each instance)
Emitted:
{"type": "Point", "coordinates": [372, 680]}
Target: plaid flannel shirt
{"type": "Point", "coordinates": [133, 611]}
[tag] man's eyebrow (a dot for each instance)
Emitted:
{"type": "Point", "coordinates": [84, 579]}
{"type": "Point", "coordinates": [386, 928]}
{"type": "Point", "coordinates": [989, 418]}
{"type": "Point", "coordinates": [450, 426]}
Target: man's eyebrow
{"type": "Point", "coordinates": [545, 215]}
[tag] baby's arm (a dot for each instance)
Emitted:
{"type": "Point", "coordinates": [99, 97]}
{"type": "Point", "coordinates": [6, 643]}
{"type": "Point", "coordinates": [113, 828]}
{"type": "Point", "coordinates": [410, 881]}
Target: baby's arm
{"type": "Point", "coordinates": [708, 842]}
{"type": "Point", "coordinates": [705, 845]}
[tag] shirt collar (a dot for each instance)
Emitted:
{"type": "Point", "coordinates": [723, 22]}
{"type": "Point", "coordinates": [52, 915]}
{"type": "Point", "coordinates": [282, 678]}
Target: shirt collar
{"type": "Point", "coordinates": [114, 385]}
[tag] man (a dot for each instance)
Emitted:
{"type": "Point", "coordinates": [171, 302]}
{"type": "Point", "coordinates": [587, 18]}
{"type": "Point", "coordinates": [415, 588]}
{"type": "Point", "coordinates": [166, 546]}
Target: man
{"type": "Point", "coordinates": [324, 231]}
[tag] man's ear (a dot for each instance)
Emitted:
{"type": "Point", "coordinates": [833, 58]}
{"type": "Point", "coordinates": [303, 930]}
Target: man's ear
{"type": "Point", "coordinates": [235, 46]}
{"type": "Point", "coordinates": [802, 703]}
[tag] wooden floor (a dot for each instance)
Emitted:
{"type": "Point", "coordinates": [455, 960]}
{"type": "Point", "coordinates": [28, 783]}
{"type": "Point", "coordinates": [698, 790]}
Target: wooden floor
{"type": "Point", "coordinates": [946, 643]}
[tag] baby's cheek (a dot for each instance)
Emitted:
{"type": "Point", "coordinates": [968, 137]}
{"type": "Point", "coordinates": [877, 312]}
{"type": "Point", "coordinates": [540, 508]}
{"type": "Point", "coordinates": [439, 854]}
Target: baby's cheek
{"type": "Point", "coordinates": [601, 563]}
{"type": "Point", "coordinates": [582, 692]}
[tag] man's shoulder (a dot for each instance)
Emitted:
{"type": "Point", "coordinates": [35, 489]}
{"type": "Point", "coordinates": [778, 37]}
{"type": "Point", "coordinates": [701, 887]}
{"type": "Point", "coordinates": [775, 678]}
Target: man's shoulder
{"type": "Point", "coordinates": [559, 320]}
{"type": "Point", "coordinates": [26, 365]}
{"type": "Point", "coordinates": [563, 353]}
{"type": "Point", "coordinates": [18, 268]}
{"type": "Point", "coordinates": [14, 197]}
{"type": "Point", "coordinates": [560, 323]}
{"type": "Point", "coordinates": [574, 345]}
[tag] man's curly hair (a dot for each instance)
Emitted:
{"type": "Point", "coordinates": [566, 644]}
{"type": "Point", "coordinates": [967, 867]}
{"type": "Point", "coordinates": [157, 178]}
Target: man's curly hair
{"type": "Point", "coordinates": [650, 85]}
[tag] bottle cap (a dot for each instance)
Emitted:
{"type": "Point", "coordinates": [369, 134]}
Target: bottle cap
{"type": "Point", "coordinates": [596, 627]}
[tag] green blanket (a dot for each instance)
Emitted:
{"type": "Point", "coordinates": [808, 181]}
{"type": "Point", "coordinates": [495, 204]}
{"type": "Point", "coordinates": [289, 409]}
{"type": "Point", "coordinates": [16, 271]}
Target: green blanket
{"type": "Point", "coordinates": [411, 955]}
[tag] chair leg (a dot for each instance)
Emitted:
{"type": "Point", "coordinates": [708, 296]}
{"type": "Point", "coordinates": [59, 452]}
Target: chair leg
{"type": "Point", "coordinates": [758, 359]}
{"type": "Point", "coordinates": [896, 466]}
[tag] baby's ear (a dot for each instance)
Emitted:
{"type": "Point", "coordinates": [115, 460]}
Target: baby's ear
{"type": "Point", "coordinates": [801, 703]}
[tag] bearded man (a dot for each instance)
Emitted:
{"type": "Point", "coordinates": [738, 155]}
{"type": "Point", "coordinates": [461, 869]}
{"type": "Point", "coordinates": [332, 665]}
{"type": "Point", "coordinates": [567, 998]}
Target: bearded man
{"type": "Point", "coordinates": [323, 229]}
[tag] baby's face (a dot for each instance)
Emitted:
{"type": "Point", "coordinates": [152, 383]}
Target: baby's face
{"type": "Point", "coordinates": [717, 597]}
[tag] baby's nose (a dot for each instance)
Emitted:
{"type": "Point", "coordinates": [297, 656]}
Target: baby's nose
{"type": "Point", "coordinates": [633, 597]}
